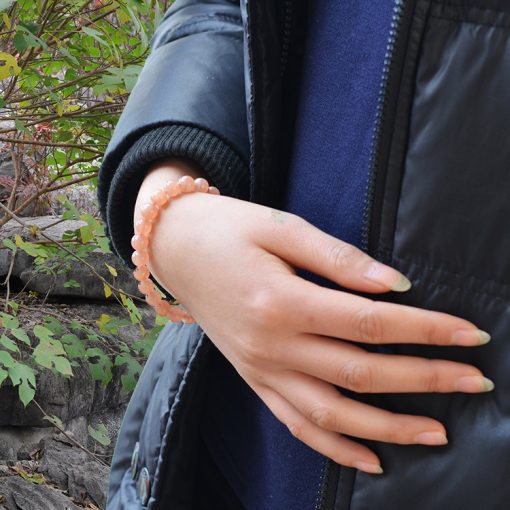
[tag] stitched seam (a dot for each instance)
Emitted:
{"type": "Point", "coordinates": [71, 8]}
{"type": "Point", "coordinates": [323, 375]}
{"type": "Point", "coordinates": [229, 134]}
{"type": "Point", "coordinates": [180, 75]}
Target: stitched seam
{"type": "Point", "coordinates": [467, 288]}
{"type": "Point", "coordinates": [466, 22]}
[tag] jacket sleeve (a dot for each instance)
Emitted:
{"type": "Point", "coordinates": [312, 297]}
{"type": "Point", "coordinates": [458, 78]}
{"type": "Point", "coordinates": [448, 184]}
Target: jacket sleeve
{"type": "Point", "coordinates": [189, 101]}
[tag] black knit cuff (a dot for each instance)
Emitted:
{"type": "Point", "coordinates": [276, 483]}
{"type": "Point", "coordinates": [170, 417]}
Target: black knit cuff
{"type": "Point", "coordinates": [222, 166]}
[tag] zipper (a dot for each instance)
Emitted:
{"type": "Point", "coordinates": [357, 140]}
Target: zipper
{"type": "Point", "coordinates": [397, 16]}
{"type": "Point", "coordinates": [287, 17]}
{"type": "Point", "coordinates": [326, 499]}
{"type": "Point", "coordinates": [323, 486]}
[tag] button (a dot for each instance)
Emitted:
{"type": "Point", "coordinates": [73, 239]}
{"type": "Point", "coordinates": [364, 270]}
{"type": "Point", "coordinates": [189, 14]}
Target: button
{"type": "Point", "coordinates": [144, 486]}
{"type": "Point", "coordinates": [134, 460]}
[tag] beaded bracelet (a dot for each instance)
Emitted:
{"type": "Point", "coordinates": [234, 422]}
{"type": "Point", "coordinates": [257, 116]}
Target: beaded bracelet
{"type": "Point", "coordinates": [140, 241]}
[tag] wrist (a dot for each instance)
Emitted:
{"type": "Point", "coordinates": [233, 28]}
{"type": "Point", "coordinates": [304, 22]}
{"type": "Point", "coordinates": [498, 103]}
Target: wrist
{"type": "Point", "coordinates": [158, 174]}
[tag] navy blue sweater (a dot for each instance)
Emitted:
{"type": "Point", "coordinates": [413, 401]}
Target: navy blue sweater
{"type": "Point", "coordinates": [346, 43]}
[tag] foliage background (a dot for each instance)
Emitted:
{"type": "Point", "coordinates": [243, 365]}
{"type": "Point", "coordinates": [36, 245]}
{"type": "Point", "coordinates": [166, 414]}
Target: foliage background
{"type": "Point", "coordinates": [66, 70]}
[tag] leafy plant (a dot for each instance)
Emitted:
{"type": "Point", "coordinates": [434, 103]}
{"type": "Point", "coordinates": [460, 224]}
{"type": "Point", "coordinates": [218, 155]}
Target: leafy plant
{"type": "Point", "coordinates": [66, 70]}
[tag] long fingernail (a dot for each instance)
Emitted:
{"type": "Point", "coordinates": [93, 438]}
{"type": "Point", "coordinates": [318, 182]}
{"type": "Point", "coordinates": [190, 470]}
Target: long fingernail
{"type": "Point", "coordinates": [470, 337]}
{"type": "Point", "coordinates": [474, 384]}
{"type": "Point", "coordinates": [367, 467]}
{"type": "Point", "coordinates": [387, 277]}
{"type": "Point", "coordinates": [431, 438]}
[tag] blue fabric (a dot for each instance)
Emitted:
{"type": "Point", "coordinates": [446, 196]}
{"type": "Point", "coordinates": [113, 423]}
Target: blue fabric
{"type": "Point", "coordinates": [267, 467]}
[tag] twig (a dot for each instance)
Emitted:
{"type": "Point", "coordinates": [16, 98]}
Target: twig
{"type": "Point", "coordinates": [74, 441]}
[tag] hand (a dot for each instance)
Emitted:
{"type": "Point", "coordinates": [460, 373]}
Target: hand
{"type": "Point", "coordinates": [231, 264]}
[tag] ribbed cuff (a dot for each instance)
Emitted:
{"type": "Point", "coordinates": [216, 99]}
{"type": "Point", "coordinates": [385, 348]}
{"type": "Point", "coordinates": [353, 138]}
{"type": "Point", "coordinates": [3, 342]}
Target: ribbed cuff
{"type": "Point", "coordinates": [221, 165]}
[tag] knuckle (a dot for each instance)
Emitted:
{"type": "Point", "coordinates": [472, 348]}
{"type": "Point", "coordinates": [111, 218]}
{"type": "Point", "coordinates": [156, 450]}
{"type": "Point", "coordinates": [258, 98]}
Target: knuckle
{"type": "Point", "coordinates": [254, 350]}
{"type": "Point", "coordinates": [368, 324]}
{"type": "Point", "coordinates": [342, 256]}
{"type": "Point", "coordinates": [431, 333]}
{"type": "Point", "coordinates": [324, 417]}
{"type": "Point", "coordinates": [356, 376]}
{"type": "Point", "coordinates": [265, 307]}
{"type": "Point", "coordinates": [432, 379]}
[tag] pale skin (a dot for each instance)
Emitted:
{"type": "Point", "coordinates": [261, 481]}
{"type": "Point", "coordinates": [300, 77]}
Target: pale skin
{"type": "Point", "coordinates": [231, 263]}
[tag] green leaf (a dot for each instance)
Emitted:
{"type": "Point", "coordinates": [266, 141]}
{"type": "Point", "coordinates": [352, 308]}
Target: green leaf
{"type": "Point", "coordinates": [20, 42]}
{"type": "Point", "coordinates": [42, 333]}
{"type": "Point", "coordinates": [71, 283]}
{"type": "Point", "coordinates": [7, 360]}
{"type": "Point", "coordinates": [55, 420]}
{"type": "Point", "coordinates": [8, 321]}
{"type": "Point", "coordinates": [24, 376]}
{"type": "Point", "coordinates": [8, 242]}
{"type": "Point", "coordinates": [26, 393]}
{"type": "Point", "coordinates": [73, 346]}
{"type": "Point", "coordinates": [20, 334]}
{"type": "Point", "coordinates": [112, 270]}
{"type": "Point", "coordinates": [3, 375]}
{"type": "Point", "coordinates": [8, 65]}
{"type": "Point", "coordinates": [62, 366]}
{"type": "Point", "coordinates": [8, 343]}
{"type": "Point", "coordinates": [100, 434]}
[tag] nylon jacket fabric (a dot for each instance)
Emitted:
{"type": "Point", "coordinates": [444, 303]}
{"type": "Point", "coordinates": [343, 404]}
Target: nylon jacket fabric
{"type": "Point", "coordinates": [437, 210]}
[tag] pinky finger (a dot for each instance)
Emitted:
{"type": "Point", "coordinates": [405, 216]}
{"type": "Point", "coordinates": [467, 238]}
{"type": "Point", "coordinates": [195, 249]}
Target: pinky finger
{"type": "Point", "coordinates": [331, 444]}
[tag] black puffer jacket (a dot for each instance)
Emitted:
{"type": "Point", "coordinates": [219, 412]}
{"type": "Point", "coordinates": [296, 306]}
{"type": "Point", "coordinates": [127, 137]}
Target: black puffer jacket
{"type": "Point", "coordinates": [219, 88]}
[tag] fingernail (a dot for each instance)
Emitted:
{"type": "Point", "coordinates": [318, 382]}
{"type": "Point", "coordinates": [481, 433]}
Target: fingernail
{"type": "Point", "coordinates": [474, 384]}
{"type": "Point", "coordinates": [431, 438]}
{"type": "Point", "coordinates": [388, 277]}
{"type": "Point", "coordinates": [367, 467]}
{"type": "Point", "coordinates": [470, 337]}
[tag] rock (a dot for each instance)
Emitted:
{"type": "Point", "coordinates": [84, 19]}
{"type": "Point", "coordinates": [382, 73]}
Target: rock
{"type": "Point", "coordinates": [73, 470]}
{"type": "Point", "coordinates": [16, 442]}
{"type": "Point", "coordinates": [21, 494]}
{"type": "Point", "coordinates": [90, 286]}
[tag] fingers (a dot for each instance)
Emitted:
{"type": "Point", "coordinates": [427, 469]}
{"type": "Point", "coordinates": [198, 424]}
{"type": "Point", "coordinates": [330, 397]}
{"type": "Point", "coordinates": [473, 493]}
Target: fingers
{"type": "Point", "coordinates": [331, 444]}
{"type": "Point", "coordinates": [324, 406]}
{"type": "Point", "coordinates": [352, 368]}
{"type": "Point", "coordinates": [303, 245]}
{"type": "Point", "coordinates": [339, 314]}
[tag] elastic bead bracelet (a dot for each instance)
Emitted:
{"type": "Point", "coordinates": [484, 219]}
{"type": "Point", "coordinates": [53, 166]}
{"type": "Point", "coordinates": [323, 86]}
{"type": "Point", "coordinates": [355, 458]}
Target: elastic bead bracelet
{"type": "Point", "coordinates": [140, 241]}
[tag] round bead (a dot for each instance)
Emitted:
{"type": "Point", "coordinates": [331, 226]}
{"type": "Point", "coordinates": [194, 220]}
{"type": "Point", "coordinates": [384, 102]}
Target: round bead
{"type": "Point", "coordinates": [153, 298]}
{"type": "Point", "coordinates": [172, 189]}
{"type": "Point", "coordinates": [160, 198]}
{"type": "Point", "coordinates": [187, 184]}
{"type": "Point", "coordinates": [213, 190]}
{"type": "Point", "coordinates": [143, 227]}
{"type": "Point", "coordinates": [141, 273]}
{"type": "Point", "coordinates": [201, 185]}
{"type": "Point", "coordinates": [145, 286]}
{"type": "Point", "coordinates": [139, 258]}
{"type": "Point", "coordinates": [139, 242]}
{"type": "Point", "coordinates": [149, 211]}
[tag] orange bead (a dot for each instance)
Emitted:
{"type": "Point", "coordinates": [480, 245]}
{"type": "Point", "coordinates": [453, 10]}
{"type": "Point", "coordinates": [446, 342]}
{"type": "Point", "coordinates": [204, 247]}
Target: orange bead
{"type": "Point", "coordinates": [143, 227]}
{"type": "Point", "coordinates": [201, 185]}
{"type": "Point", "coordinates": [149, 211]}
{"type": "Point", "coordinates": [145, 286]}
{"type": "Point", "coordinates": [172, 188]}
{"type": "Point", "coordinates": [213, 190]}
{"type": "Point", "coordinates": [139, 258]}
{"type": "Point", "coordinates": [141, 273]}
{"type": "Point", "coordinates": [153, 298]}
{"type": "Point", "coordinates": [139, 242]}
{"type": "Point", "coordinates": [160, 198]}
{"type": "Point", "coordinates": [187, 184]}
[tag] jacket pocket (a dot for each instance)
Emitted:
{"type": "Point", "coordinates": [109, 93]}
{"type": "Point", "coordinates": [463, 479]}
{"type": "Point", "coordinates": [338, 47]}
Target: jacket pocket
{"type": "Point", "coordinates": [449, 166]}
